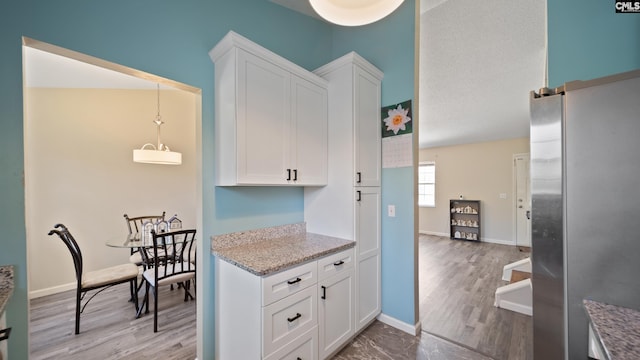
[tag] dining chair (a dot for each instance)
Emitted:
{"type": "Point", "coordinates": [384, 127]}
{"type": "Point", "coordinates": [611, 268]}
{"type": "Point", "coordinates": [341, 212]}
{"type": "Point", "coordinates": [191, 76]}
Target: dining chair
{"type": "Point", "coordinates": [98, 279]}
{"type": "Point", "coordinates": [134, 224]}
{"type": "Point", "coordinates": [173, 262]}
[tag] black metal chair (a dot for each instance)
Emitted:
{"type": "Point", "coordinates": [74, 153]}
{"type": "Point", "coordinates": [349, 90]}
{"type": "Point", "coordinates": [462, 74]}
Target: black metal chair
{"type": "Point", "coordinates": [172, 256]}
{"type": "Point", "coordinates": [134, 224]}
{"type": "Point", "coordinates": [97, 279]}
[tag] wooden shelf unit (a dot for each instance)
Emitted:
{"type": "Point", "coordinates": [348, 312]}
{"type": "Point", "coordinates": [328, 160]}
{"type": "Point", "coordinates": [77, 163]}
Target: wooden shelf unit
{"type": "Point", "coordinates": [464, 220]}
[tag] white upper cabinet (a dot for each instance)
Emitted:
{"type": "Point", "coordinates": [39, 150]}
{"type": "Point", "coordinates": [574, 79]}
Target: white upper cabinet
{"type": "Point", "coordinates": [354, 86]}
{"type": "Point", "coordinates": [270, 118]}
{"type": "Point", "coordinates": [368, 131]}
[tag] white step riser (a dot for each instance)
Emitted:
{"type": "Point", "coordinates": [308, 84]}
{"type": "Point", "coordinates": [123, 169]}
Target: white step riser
{"type": "Point", "coordinates": [520, 265]}
{"type": "Point", "coordinates": [515, 297]}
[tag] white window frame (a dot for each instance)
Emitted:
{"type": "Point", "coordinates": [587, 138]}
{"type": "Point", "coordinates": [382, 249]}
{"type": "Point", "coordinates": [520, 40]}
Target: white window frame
{"type": "Point", "coordinates": [420, 193]}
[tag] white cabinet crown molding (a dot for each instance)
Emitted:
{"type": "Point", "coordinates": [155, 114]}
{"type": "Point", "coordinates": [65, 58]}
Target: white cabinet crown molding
{"type": "Point", "coordinates": [351, 58]}
{"type": "Point", "coordinates": [234, 40]}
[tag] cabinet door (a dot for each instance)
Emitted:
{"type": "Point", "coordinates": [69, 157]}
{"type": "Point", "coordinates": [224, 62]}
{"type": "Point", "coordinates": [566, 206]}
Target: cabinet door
{"type": "Point", "coordinates": [368, 298]}
{"type": "Point", "coordinates": [367, 129]}
{"type": "Point", "coordinates": [309, 124]}
{"type": "Point", "coordinates": [263, 121]}
{"type": "Point", "coordinates": [335, 311]}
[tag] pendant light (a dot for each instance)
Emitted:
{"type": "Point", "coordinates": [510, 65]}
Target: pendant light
{"type": "Point", "coordinates": [161, 154]}
{"type": "Point", "coordinates": [354, 12]}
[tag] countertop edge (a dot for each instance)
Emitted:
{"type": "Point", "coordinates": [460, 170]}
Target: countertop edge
{"type": "Point", "coordinates": [294, 262]}
{"type": "Point", "coordinates": [6, 286]}
{"type": "Point", "coordinates": [601, 316]}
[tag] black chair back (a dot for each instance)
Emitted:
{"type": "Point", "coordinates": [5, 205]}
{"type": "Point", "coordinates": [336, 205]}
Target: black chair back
{"type": "Point", "coordinates": [172, 253]}
{"type": "Point", "coordinates": [134, 224]}
{"type": "Point", "coordinates": [73, 247]}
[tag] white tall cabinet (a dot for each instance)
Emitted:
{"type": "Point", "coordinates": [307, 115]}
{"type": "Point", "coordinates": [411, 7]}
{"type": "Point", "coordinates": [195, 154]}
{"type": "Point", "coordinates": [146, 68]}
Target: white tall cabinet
{"type": "Point", "coordinates": [271, 118]}
{"type": "Point", "coordinates": [349, 206]}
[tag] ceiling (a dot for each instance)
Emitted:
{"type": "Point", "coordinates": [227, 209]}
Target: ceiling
{"type": "Point", "coordinates": [478, 62]}
{"type": "Point", "coordinates": [45, 69]}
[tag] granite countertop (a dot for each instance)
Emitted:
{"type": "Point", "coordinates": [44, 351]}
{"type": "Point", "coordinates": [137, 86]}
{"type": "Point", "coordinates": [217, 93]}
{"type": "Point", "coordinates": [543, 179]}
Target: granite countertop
{"type": "Point", "coordinates": [6, 285]}
{"type": "Point", "coordinates": [617, 328]}
{"type": "Point", "coordinates": [267, 251]}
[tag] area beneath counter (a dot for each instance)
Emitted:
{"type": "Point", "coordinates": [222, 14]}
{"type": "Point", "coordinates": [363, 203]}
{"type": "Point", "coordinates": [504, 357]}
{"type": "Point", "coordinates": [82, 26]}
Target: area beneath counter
{"type": "Point", "coordinates": [270, 250]}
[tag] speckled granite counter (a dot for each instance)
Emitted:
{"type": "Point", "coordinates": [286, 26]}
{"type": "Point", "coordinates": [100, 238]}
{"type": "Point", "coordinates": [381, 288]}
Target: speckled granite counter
{"type": "Point", "coordinates": [617, 328]}
{"type": "Point", "coordinates": [270, 250]}
{"type": "Point", "coordinates": [6, 285]}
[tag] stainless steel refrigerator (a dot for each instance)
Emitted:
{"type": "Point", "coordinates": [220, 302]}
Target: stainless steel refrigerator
{"type": "Point", "coordinates": [585, 216]}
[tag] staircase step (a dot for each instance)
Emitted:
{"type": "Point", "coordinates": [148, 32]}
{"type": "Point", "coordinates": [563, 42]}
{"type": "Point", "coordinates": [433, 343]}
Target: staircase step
{"type": "Point", "coordinates": [517, 275]}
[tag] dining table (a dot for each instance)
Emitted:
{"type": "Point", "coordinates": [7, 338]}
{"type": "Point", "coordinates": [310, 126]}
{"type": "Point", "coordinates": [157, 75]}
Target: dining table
{"type": "Point", "coordinates": [133, 241]}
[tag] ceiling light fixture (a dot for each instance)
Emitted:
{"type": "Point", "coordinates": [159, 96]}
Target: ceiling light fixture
{"type": "Point", "coordinates": [354, 12]}
{"type": "Point", "coordinates": [160, 154]}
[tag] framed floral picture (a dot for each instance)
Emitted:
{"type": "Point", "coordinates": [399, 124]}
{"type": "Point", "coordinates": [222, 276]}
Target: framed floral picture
{"type": "Point", "coordinates": [396, 119]}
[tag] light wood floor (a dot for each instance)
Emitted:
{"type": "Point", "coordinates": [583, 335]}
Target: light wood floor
{"type": "Point", "coordinates": [109, 329]}
{"type": "Point", "coordinates": [457, 284]}
{"type": "Point", "coordinates": [458, 280]}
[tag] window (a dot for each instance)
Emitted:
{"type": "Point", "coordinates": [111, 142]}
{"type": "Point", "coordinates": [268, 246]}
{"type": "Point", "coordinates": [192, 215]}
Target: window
{"type": "Point", "coordinates": [427, 184]}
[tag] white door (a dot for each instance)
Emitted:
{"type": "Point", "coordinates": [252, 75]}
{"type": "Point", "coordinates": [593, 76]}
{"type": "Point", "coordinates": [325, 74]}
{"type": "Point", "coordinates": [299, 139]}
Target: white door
{"type": "Point", "coordinates": [367, 129]}
{"type": "Point", "coordinates": [263, 121]}
{"type": "Point", "coordinates": [523, 200]}
{"type": "Point", "coordinates": [368, 275]}
{"type": "Point", "coordinates": [309, 119]}
{"type": "Point", "coordinates": [335, 311]}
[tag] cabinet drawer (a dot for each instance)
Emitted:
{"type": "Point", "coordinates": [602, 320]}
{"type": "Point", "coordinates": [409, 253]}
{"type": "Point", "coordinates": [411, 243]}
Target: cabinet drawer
{"type": "Point", "coordinates": [305, 348]}
{"type": "Point", "coordinates": [281, 285]}
{"type": "Point", "coordinates": [334, 264]}
{"type": "Point", "coordinates": [285, 320]}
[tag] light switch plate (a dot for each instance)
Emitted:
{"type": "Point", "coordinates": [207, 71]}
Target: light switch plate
{"type": "Point", "coordinates": [391, 210]}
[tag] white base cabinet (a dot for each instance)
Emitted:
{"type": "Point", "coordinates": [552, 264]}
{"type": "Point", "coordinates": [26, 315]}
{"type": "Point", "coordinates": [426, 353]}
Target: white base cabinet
{"type": "Point", "coordinates": [306, 312]}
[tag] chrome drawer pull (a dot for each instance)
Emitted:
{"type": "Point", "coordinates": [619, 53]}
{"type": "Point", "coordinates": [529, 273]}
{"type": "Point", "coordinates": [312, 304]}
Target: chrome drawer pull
{"type": "Point", "coordinates": [298, 316]}
{"type": "Point", "coordinates": [291, 282]}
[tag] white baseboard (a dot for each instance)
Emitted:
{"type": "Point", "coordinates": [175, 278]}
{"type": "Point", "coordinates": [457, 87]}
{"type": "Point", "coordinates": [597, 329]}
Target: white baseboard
{"type": "Point", "coordinates": [433, 233]}
{"type": "Point", "coordinates": [522, 309]}
{"type": "Point", "coordinates": [412, 330]}
{"type": "Point", "coordinates": [487, 240]}
{"type": "Point", "coordinates": [51, 290]}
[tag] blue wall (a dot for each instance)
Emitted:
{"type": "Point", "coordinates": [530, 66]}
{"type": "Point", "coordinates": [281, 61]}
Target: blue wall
{"type": "Point", "coordinates": [172, 39]}
{"type": "Point", "coordinates": [587, 39]}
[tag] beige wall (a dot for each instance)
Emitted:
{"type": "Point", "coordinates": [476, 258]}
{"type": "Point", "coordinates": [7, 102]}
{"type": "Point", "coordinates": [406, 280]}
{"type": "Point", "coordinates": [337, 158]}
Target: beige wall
{"type": "Point", "coordinates": [479, 171]}
{"type": "Point", "coordinates": [79, 171]}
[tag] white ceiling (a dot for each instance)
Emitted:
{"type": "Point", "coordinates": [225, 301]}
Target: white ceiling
{"type": "Point", "coordinates": [478, 62]}
{"type": "Point", "coordinates": [45, 69]}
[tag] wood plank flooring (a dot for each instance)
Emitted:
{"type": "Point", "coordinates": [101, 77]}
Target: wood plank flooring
{"type": "Point", "coordinates": [458, 280]}
{"type": "Point", "coordinates": [109, 329]}
{"type": "Point", "coordinates": [457, 284]}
